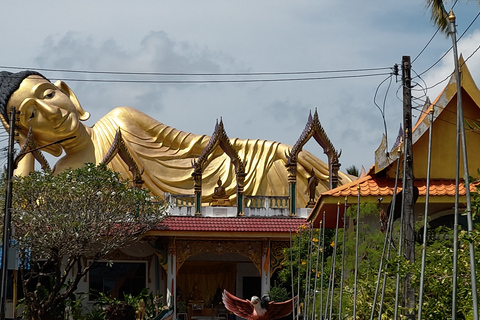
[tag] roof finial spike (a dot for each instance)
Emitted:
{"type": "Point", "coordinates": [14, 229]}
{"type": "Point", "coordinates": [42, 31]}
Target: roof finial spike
{"type": "Point", "coordinates": [221, 124]}
{"type": "Point", "coordinates": [315, 115]}
{"type": "Point", "coordinates": [451, 16]}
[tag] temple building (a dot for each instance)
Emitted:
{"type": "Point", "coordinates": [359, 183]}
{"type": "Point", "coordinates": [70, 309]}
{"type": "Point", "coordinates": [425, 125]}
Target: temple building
{"type": "Point", "coordinates": [229, 240]}
{"type": "Point", "coordinates": [377, 186]}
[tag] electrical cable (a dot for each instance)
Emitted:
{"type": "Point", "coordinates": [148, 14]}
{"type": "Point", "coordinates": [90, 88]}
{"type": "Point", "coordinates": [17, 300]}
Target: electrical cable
{"type": "Point", "coordinates": [223, 81]}
{"type": "Point", "coordinates": [464, 32]}
{"type": "Point", "coordinates": [197, 74]}
{"type": "Point", "coordinates": [431, 39]}
{"type": "Point", "coordinates": [448, 77]}
{"type": "Point", "coordinates": [425, 47]}
{"type": "Point", "coordinates": [382, 110]}
{"type": "Point", "coordinates": [471, 55]}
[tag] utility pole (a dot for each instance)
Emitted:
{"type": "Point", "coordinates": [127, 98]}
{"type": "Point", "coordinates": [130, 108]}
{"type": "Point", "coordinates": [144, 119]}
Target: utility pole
{"type": "Point", "coordinates": [462, 144]}
{"type": "Point", "coordinates": [7, 215]}
{"type": "Point", "coordinates": [408, 184]}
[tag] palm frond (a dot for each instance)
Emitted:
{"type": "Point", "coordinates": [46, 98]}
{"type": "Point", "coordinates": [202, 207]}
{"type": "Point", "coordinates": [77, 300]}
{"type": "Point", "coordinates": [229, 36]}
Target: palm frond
{"type": "Point", "coordinates": [439, 14]}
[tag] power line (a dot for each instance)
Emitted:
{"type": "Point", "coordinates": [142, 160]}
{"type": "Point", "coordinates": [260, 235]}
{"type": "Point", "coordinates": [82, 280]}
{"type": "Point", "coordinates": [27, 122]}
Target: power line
{"type": "Point", "coordinates": [425, 47]}
{"type": "Point", "coordinates": [450, 48]}
{"type": "Point", "coordinates": [197, 74]}
{"type": "Point", "coordinates": [224, 81]}
{"type": "Point", "coordinates": [382, 109]}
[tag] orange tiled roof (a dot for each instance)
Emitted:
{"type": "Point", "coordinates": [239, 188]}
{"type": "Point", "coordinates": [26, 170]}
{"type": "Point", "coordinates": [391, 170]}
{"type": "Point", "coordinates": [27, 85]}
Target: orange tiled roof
{"type": "Point", "coordinates": [373, 186]}
{"type": "Point", "coordinates": [385, 186]}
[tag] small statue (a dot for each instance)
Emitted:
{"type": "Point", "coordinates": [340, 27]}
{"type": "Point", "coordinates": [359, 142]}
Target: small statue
{"type": "Point", "coordinates": [219, 197]}
{"type": "Point", "coordinates": [140, 313]}
{"type": "Point", "coordinates": [219, 191]}
{"type": "Point", "coordinates": [312, 187]}
{"type": "Point", "coordinates": [256, 308]}
{"type": "Point", "coordinates": [217, 298]}
{"type": "Point", "coordinates": [196, 294]}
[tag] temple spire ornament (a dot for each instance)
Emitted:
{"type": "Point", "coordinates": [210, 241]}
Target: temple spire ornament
{"type": "Point", "coordinates": [314, 129]}
{"type": "Point", "coordinates": [220, 139]}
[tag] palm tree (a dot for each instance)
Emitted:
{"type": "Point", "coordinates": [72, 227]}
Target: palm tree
{"type": "Point", "coordinates": [439, 14]}
{"type": "Point", "coordinates": [352, 170]}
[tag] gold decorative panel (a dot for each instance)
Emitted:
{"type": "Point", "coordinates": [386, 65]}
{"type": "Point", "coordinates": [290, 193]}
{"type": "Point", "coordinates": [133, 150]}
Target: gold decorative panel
{"type": "Point", "coordinates": [276, 254]}
{"type": "Point", "coordinates": [249, 249]}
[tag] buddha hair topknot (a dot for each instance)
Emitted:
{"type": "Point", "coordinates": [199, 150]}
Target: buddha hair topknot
{"type": "Point", "coordinates": [9, 83]}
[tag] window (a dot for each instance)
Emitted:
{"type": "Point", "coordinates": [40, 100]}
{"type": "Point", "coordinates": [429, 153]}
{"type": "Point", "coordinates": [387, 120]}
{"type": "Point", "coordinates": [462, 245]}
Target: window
{"type": "Point", "coordinates": [118, 279]}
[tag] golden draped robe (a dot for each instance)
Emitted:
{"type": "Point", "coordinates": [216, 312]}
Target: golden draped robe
{"type": "Point", "coordinates": [166, 155]}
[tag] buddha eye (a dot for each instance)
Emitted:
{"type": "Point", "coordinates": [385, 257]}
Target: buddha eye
{"type": "Point", "coordinates": [49, 94]}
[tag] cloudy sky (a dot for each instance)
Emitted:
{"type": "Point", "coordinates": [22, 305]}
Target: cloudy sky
{"type": "Point", "coordinates": [286, 47]}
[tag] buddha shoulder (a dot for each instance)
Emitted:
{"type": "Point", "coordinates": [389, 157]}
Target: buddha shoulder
{"type": "Point", "coordinates": [128, 117]}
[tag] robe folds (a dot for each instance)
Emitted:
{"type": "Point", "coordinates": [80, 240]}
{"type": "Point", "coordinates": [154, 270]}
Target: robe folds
{"type": "Point", "coordinates": [166, 155]}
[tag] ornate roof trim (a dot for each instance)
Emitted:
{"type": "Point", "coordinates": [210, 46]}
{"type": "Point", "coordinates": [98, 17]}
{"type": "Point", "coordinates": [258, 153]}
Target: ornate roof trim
{"type": "Point", "coordinates": [119, 147]}
{"type": "Point", "coordinates": [31, 146]}
{"type": "Point", "coordinates": [221, 139]}
{"type": "Point", "coordinates": [314, 129]}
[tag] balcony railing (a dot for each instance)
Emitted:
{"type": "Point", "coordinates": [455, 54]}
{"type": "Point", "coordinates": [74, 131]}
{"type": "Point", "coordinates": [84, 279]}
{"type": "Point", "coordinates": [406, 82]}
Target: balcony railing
{"type": "Point", "coordinates": [273, 202]}
{"type": "Point", "coordinates": [255, 206]}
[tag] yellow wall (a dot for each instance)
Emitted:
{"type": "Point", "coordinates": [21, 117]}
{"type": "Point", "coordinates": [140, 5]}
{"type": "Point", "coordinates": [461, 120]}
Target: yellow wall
{"type": "Point", "coordinates": [444, 134]}
{"type": "Point", "coordinates": [444, 143]}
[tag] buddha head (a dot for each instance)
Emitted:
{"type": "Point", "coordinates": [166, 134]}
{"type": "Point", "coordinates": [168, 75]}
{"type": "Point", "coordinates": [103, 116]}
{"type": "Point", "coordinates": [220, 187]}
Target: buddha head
{"type": "Point", "coordinates": [52, 111]}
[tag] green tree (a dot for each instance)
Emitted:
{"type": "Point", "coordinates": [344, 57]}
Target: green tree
{"type": "Point", "coordinates": [437, 298]}
{"type": "Point", "coordinates": [60, 220]}
{"type": "Point", "coordinates": [300, 264]}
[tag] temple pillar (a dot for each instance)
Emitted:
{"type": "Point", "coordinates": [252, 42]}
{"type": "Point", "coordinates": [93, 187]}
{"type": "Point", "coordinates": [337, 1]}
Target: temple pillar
{"type": "Point", "coordinates": [197, 178]}
{"type": "Point", "coordinates": [292, 181]}
{"type": "Point", "coordinates": [172, 277]}
{"type": "Point", "coordinates": [265, 276]}
{"type": "Point", "coordinates": [335, 167]}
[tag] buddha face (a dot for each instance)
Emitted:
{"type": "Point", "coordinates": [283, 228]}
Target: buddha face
{"type": "Point", "coordinates": [44, 107]}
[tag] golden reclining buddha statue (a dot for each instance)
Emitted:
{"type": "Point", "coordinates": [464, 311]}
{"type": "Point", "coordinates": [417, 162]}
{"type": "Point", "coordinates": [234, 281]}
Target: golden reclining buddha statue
{"type": "Point", "coordinates": [52, 112]}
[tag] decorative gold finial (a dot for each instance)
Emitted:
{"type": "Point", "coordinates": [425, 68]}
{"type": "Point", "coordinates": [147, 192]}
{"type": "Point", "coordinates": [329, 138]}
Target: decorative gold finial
{"type": "Point", "coordinates": [451, 16]}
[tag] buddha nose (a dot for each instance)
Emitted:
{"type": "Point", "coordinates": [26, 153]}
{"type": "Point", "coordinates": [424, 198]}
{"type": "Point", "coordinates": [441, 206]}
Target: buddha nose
{"type": "Point", "coordinates": [50, 112]}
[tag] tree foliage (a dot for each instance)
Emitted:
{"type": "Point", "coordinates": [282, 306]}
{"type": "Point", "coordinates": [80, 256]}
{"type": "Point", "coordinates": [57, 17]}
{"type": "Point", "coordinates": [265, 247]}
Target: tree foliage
{"type": "Point", "coordinates": [439, 14]}
{"type": "Point", "coordinates": [353, 170]}
{"type": "Point", "coordinates": [437, 298]}
{"type": "Point", "coordinates": [64, 223]}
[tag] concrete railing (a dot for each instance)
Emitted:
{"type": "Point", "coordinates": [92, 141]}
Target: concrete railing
{"type": "Point", "coordinates": [255, 206]}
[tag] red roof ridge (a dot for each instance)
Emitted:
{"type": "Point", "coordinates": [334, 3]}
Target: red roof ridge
{"type": "Point", "coordinates": [230, 224]}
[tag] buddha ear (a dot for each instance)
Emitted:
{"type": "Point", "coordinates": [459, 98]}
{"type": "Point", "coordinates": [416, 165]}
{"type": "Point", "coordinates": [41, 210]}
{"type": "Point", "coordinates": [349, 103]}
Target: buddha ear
{"type": "Point", "coordinates": [84, 115]}
{"type": "Point", "coordinates": [4, 122]}
{"type": "Point", "coordinates": [20, 136]}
